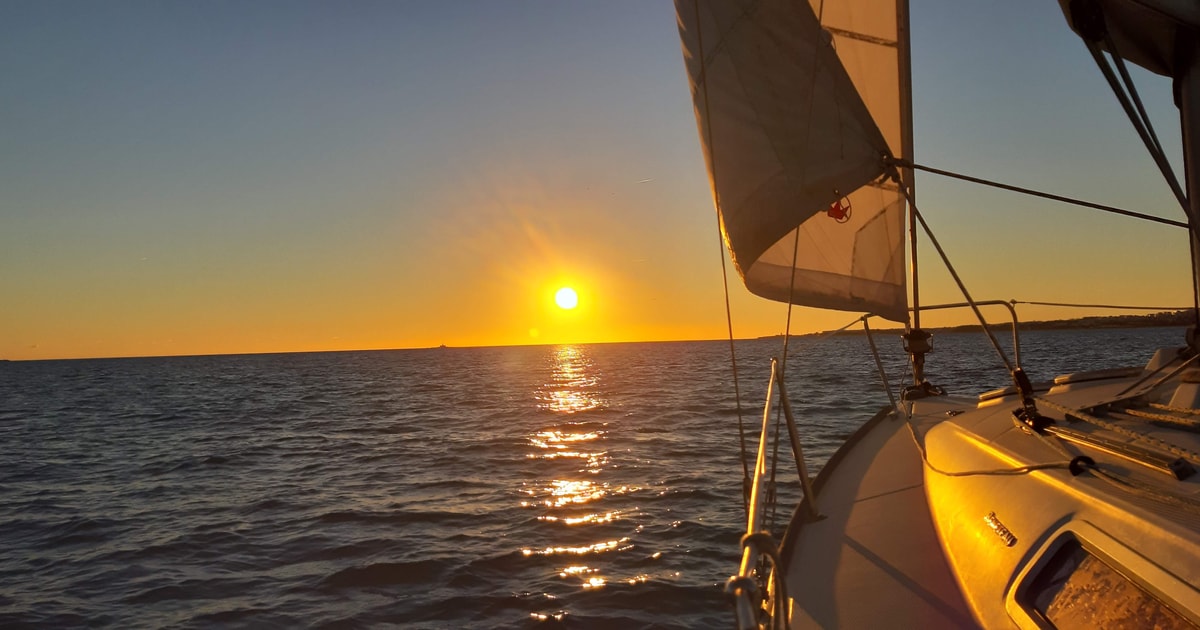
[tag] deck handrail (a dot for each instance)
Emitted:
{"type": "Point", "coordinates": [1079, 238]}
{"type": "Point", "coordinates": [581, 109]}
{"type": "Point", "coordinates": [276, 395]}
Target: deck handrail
{"type": "Point", "coordinates": [1011, 305]}
{"type": "Point", "coordinates": [743, 586]}
{"type": "Point", "coordinates": [757, 543]}
{"type": "Point", "coordinates": [1012, 309]}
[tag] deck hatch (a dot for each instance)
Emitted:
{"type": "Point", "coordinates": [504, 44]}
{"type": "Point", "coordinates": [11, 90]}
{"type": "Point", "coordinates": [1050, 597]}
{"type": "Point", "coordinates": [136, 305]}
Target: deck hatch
{"type": "Point", "coordinates": [1076, 589]}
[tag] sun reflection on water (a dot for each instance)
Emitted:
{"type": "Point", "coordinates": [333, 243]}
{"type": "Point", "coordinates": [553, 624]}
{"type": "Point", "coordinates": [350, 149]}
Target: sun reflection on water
{"type": "Point", "coordinates": [600, 547]}
{"type": "Point", "coordinates": [553, 444]}
{"type": "Point", "coordinates": [593, 462]}
{"type": "Point", "coordinates": [563, 492]}
{"type": "Point", "coordinates": [573, 383]}
{"type": "Point", "coordinates": [587, 519]}
{"type": "Point", "coordinates": [556, 439]}
{"type": "Point", "coordinates": [573, 387]}
{"type": "Point", "coordinates": [589, 577]}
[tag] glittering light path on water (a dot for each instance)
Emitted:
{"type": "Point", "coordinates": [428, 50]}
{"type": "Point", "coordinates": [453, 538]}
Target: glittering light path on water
{"type": "Point", "coordinates": [537, 487]}
{"type": "Point", "coordinates": [578, 495]}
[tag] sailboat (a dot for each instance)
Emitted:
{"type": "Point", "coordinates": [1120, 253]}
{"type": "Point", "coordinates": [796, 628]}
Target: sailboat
{"type": "Point", "coordinates": [1064, 504]}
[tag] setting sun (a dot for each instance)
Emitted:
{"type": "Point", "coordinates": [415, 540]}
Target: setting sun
{"type": "Point", "coordinates": [566, 298]}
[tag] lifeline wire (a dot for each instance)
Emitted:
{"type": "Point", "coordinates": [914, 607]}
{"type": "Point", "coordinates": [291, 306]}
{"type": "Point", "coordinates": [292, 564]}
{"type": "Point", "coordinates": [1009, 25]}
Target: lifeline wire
{"type": "Point", "coordinates": [1111, 306]}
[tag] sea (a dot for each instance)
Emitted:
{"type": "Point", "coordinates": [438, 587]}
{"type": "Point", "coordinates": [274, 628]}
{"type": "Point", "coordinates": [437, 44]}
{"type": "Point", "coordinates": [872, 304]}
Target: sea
{"type": "Point", "coordinates": [582, 486]}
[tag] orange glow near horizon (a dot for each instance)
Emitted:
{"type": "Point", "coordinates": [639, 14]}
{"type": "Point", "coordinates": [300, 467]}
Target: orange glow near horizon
{"type": "Point", "coordinates": [414, 218]}
{"type": "Point", "coordinates": [507, 248]}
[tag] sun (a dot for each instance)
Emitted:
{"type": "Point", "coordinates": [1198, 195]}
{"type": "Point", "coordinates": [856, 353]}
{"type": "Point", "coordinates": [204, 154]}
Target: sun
{"type": "Point", "coordinates": [566, 298]}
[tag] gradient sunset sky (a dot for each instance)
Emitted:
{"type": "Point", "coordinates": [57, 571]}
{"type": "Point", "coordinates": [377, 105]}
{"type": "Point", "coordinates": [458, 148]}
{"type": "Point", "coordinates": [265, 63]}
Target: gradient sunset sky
{"type": "Point", "coordinates": [228, 177]}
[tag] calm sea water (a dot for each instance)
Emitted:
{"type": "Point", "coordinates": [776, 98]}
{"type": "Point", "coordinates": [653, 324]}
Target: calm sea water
{"type": "Point", "coordinates": [576, 486]}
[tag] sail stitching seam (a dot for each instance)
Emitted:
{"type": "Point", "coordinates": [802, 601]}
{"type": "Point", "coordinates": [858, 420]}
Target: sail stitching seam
{"type": "Point", "coordinates": [863, 37]}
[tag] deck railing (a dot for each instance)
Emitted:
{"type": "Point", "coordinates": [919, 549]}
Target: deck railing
{"type": "Point", "coordinates": [757, 543]}
{"type": "Point", "coordinates": [1012, 309]}
{"type": "Point", "coordinates": [748, 588]}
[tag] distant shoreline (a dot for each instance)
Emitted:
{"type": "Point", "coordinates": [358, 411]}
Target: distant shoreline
{"type": "Point", "coordinates": [1164, 319]}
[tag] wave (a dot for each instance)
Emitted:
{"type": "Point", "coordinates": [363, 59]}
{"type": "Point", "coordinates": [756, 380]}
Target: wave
{"type": "Point", "coordinates": [387, 573]}
{"type": "Point", "coordinates": [382, 488]}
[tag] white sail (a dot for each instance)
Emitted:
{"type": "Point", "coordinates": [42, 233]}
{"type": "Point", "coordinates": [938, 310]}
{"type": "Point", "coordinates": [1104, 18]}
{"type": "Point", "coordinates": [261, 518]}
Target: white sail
{"type": "Point", "coordinates": [795, 120]}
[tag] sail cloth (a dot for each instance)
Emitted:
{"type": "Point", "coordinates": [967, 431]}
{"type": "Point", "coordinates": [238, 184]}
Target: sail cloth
{"type": "Point", "coordinates": [795, 119]}
{"type": "Point", "coordinates": [1150, 33]}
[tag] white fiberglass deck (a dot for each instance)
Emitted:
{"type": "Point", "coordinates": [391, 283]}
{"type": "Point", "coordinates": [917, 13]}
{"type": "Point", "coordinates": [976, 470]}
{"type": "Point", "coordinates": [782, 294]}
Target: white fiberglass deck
{"type": "Point", "coordinates": [1008, 504]}
{"type": "Point", "coordinates": [875, 555]}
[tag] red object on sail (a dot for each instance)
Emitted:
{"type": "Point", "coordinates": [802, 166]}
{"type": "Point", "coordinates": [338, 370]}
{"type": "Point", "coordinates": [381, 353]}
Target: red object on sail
{"type": "Point", "coordinates": [840, 210]}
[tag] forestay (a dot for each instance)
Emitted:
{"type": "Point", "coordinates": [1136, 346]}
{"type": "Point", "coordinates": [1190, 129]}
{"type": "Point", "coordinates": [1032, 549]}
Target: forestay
{"type": "Point", "coordinates": [795, 117]}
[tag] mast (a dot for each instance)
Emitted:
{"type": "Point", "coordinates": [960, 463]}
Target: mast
{"type": "Point", "coordinates": [917, 342]}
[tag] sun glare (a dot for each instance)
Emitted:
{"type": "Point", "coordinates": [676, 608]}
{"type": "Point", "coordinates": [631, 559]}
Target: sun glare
{"type": "Point", "coordinates": [566, 298]}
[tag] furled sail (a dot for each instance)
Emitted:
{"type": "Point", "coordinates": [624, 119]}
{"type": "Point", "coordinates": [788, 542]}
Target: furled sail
{"type": "Point", "coordinates": [1150, 33]}
{"type": "Point", "coordinates": [795, 114]}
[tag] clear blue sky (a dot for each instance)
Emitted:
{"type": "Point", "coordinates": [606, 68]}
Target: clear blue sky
{"type": "Point", "coordinates": [180, 178]}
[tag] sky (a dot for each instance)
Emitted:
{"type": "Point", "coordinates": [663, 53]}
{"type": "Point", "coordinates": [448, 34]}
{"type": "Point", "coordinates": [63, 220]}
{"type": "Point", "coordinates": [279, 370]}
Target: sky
{"type": "Point", "coordinates": [184, 178]}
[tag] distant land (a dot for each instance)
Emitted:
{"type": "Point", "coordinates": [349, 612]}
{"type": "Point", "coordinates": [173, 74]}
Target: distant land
{"type": "Point", "coordinates": [1153, 320]}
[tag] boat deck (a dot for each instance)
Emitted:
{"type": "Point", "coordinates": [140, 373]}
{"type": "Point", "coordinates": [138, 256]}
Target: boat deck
{"type": "Point", "coordinates": [877, 556]}
{"type": "Point", "coordinates": [856, 572]}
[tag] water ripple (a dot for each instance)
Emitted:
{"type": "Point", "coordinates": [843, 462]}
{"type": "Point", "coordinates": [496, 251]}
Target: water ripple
{"type": "Point", "coordinates": [581, 486]}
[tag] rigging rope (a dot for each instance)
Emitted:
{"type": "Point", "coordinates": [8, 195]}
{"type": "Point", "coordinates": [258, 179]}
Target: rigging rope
{"type": "Point", "coordinates": [1127, 95]}
{"type": "Point", "coordinates": [1019, 470]}
{"type": "Point", "coordinates": [1132, 486]}
{"type": "Point", "coordinates": [1131, 102]}
{"type": "Point", "coordinates": [1131, 87]}
{"type": "Point", "coordinates": [1035, 193]}
{"type": "Point", "coordinates": [1129, 433]}
{"type": "Point", "coordinates": [879, 364]}
{"type": "Point", "coordinates": [1166, 418]}
{"type": "Point", "coordinates": [1128, 485]}
{"type": "Point", "coordinates": [787, 327]}
{"type": "Point", "coordinates": [746, 481]}
{"type": "Point", "coordinates": [957, 280]}
{"type": "Point", "coordinates": [1188, 410]}
{"type": "Point", "coordinates": [1162, 379]}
